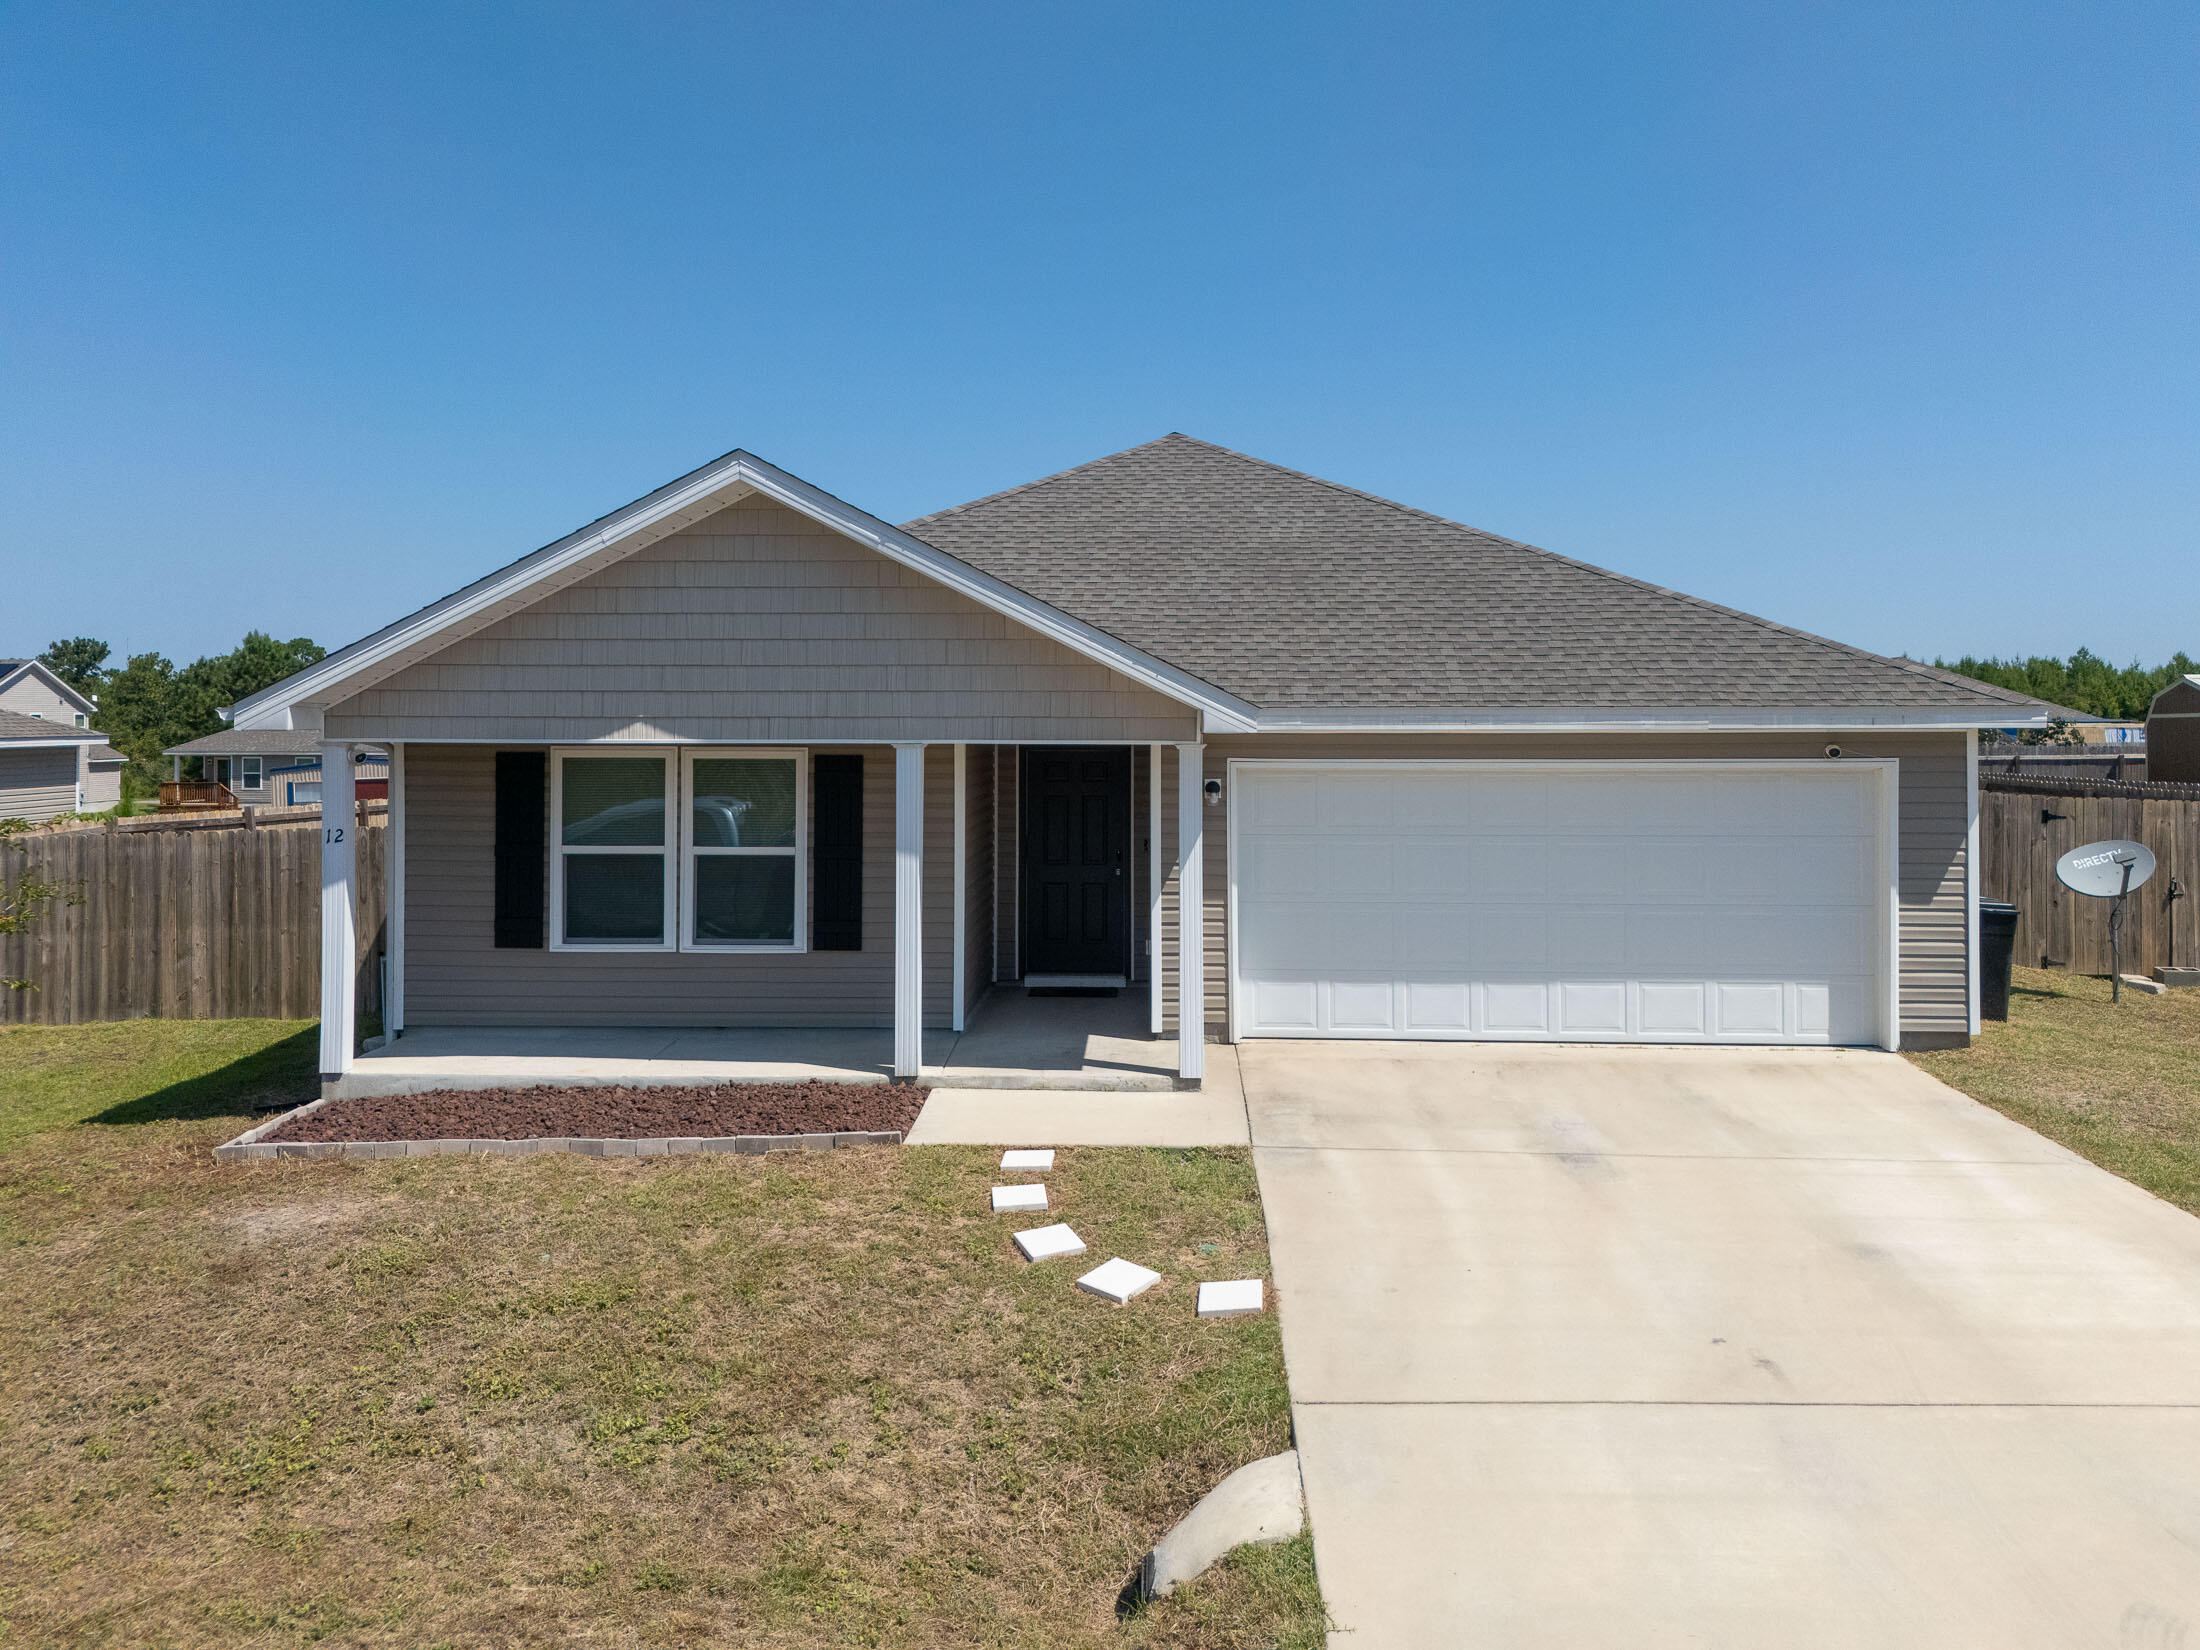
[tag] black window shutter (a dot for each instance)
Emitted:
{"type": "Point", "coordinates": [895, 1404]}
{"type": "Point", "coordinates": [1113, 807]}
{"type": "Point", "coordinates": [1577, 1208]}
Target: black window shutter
{"type": "Point", "coordinates": [836, 853]}
{"type": "Point", "coordinates": [522, 809]}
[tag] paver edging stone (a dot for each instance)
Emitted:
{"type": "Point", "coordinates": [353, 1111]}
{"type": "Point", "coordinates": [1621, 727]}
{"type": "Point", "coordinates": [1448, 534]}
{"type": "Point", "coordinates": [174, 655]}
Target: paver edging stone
{"type": "Point", "coordinates": [253, 1146]}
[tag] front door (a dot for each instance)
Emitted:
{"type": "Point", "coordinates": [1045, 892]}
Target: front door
{"type": "Point", "coordinates": [1077, 889]}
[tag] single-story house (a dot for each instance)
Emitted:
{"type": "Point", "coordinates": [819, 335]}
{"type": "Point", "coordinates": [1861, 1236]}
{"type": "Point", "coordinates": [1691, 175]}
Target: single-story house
{"type": "Point", "coordinates": [260, 767]}
{"type": "Point", "coordinates": [49, 768]}
{"type": "Point", "coordinates": [1300, 761]}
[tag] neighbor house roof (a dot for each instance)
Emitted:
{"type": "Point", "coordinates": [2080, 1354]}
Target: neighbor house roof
{"type": "Point", "coordinates": [105, 753]}
{"type": "Point", "coordinates": [1291, 592]}
{"type": "Point", "coordinates": [251, 742]}
{"type": "Point", "coordinates": [18, 729]}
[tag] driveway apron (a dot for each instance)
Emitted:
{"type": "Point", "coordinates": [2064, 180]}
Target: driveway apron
{"type": "Point", "coordinates": [1722, 1347]}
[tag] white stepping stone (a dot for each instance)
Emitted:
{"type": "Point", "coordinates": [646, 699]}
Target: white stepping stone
{"type": "Point", "coordinates": [1049, 1242]}
{"type": "Point", "coordinates": [1028, 1160]}
{"type": "Point", "coordinates": [1230, 1300]}
{"type": "Point", "coordinates": [1118, 1280]}
{"type": "Point", "coordinates": [1006, 1198]}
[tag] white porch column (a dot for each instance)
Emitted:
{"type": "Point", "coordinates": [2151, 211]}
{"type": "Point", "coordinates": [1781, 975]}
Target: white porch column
{"type": "Point", "coordinates": [393, 1006]}
{"type": "Point", "coordinates": [339, 941]}
{"type": "Point", "coordinates": [1191, 972]}
{"type": "Point", "coordinates": [908, 910]}
{"type": "Point", "coordinates": [1156, 1002]}
{"type": "Point", "coordinates": [958, 1005]}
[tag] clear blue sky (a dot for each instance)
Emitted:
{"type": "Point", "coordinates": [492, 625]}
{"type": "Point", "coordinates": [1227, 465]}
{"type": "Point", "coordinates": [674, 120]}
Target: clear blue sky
{"type": "Point", "coordinates": [1875, 319]}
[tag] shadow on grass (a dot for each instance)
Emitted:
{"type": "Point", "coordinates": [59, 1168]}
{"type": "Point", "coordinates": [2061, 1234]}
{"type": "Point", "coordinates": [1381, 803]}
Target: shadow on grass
{"type": "Point", "coordinates": [285, 1073]}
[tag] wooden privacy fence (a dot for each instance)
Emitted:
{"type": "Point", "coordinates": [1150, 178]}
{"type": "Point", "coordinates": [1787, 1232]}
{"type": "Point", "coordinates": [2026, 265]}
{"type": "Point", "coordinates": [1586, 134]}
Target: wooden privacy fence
{"type": "Point", "coordinates": [210, 921]}
{"type": "Point", "coordinates": [2020, 840]}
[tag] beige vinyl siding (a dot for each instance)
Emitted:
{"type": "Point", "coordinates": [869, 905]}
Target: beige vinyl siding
{"type": "Point", "coordinates": [28, 695]}
{"type": "Point", "coordinates": [1932, 824]}
{"type": "Point", "coordinates": [455, 975]}
{"type": "Point", "coordinates": [40, 783]}
{"type": "Point", "coordinates": [757, 624]}
{"type": "Point", "coordinates": [978, 874]}
{"type": "Point", "coordinates": [1008, 866]}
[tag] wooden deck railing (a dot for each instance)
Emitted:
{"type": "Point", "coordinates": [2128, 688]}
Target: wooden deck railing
{"type": "Point", "coordinates": [193, 796]}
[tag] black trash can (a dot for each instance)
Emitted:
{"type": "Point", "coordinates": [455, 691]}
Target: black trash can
{"type": "Point", "coordinates": [1997, 942]}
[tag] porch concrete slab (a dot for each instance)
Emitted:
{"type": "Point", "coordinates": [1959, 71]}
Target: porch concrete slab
{"type": "Point", "coordinates": [1213, 1116]}
{"type": "Point", "coordinates": [485, 1057]}
{"type": "Point", "coordinates": [1023, 1040]}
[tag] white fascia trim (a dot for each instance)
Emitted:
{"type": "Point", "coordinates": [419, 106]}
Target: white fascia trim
{"type": "Point", "coordinates": [51, 744]}
{"type": "Point", "coordinates": [1644, 721]}
{"type": "Point", "coordinates": [693, 496]}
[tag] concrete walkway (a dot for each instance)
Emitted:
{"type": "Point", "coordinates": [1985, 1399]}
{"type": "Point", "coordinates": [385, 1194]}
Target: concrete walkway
{"type": "Point", "coordinates": [1720, 1347]}
{"type": "Point", "coordinates": [1209, 1116]}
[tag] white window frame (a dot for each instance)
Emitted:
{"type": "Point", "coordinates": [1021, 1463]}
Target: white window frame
{"type": "Point", "coordinates": [251, 773]}
{"type": "Point", "coordinates": [690, 850]}
{"type": "Point", "coordinates": [669, 848]}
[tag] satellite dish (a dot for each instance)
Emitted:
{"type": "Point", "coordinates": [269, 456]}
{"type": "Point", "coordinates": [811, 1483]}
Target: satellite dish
{"type": "Point", "coordinates": [2098, 868]}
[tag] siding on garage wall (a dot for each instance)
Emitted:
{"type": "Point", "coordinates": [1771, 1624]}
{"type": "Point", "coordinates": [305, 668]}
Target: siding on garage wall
{"type": "Point", "coordinates": [40, 783]}
{"type": "Point", "coordinates": [1932, 824]}
{"type": "Point", "coordinates": [757, 624]}
{"type": "Point", "coordinates": [455, 975]}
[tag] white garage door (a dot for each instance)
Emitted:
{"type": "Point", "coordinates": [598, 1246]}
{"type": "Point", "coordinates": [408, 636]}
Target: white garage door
{"type": "Point", "coordinates": [1599, 903]}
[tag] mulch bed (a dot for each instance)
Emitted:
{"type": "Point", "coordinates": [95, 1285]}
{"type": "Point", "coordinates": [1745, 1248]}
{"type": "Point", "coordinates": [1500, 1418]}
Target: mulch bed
{"type": "Point", "coordinates": [550, 1111]}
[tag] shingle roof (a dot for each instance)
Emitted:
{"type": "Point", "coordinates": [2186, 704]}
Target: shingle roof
{"type": "Point", "coordinates": [106, 753]}
{"type": "Point", "coordinates": [250, 742]}
{"type": "Point", "coordinates": [15, 725]}
{"type": "Point", "coordinates": [1293, 592]}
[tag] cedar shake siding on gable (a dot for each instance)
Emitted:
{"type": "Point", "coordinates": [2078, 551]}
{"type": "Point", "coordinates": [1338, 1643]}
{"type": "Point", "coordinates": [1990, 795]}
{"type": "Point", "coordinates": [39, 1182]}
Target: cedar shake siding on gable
{"type": "Point", "coordinates": [1932, 820]}
{"type": "Point", "coordinates": [455, 975]}
{"type": "Point", "coordinates": [757, 624]}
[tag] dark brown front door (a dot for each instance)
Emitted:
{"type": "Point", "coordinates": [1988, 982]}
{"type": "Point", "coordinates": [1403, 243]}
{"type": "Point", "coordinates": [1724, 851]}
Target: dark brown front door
{"type": "Point", "coordinates": [1077, 819]}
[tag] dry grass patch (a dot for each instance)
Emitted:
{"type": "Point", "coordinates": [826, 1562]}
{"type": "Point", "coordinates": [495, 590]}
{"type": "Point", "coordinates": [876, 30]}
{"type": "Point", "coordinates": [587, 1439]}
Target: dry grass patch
{"type": "Point", "coordinates": [554, 1400]}
{"type": "Point", "coordinates": [2118, 1083]}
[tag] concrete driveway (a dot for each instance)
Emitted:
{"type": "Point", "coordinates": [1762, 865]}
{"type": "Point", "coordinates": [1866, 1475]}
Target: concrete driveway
{"type": "Point", "coordinates": [1720, 1347]}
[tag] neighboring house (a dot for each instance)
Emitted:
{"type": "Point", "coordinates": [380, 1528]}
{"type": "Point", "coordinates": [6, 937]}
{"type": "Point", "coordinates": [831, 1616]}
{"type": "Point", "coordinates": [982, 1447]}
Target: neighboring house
{"type": "Point", "coordinates": [2173, 732]}
{"type": "Point", "coordinates": [56, 765]}
{"type": "Point", "coordinates": [103, 766]}
{"type": "Point", "coordinates": [46, 767]}
{"type": "Point", "coordinates": [241, 768]}
{"type": "Point", "coordinates": [29, 687]}
{"type": "Point", "coordinates": [742, 754]}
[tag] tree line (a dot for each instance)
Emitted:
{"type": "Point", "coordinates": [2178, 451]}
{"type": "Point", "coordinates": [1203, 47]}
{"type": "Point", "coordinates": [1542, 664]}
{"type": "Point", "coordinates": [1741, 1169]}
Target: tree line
{"type": "Point", "coordinates": [149, 703]}
{"type": "Point", "coordinates": [2084, 681]}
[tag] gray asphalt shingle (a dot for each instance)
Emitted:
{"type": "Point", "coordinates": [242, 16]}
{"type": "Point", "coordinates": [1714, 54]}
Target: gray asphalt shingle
{"type": "Point", "coordinates": [1293, 592]}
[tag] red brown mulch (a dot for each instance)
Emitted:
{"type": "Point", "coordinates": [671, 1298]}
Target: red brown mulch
{"type": "Point", "coordinates": [551, 1111]}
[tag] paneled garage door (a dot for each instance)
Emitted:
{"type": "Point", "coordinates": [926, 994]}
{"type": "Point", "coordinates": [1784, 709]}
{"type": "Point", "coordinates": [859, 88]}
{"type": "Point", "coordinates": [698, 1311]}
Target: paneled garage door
{"type": "Point", "coordinates": [1664, 903]}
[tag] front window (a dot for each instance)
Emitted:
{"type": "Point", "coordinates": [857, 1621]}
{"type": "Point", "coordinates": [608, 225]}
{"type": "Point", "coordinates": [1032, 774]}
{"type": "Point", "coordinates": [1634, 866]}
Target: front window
{"type": "Point", "coordinates": [614, 871]}
{"type": "Point", "coordinates": [703, 853]}
{"type": "Point", "coordinates": [250, 778]}
{"type": "Point", "coordinates": [744, 882]}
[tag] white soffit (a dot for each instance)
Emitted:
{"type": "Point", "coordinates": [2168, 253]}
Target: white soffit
{"type": "Point", "coordinates": [679, 504]}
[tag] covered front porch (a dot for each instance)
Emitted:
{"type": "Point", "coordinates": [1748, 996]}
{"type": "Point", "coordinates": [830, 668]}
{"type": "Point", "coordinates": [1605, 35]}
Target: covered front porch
{"type": "Point", "coordinates": [963, 988]}
{"type": "Point", "coordinates": [1016, 1039]}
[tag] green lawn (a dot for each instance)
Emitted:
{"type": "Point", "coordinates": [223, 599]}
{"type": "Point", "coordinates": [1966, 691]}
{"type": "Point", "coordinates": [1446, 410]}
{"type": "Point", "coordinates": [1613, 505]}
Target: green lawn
{"type": "Point", "coordinates": [2118, 1083]}
{"type": "Point", "coordinates": [809, 1399]}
